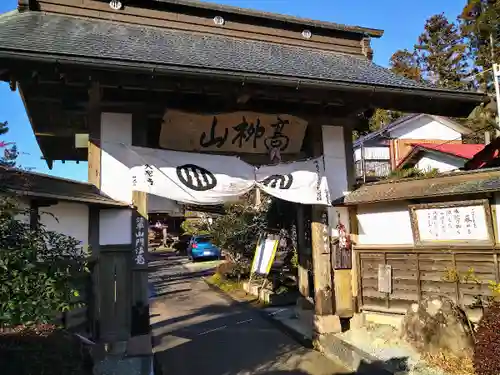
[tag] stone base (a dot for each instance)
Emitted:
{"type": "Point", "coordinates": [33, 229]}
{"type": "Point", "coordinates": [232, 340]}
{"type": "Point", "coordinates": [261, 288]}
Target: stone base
{"type": "Point", "coordinates": [383, 319]}
{"type": "Point", "coordinates": [324, 324]}
{"type": "Point", "coordinates": [357, 321]}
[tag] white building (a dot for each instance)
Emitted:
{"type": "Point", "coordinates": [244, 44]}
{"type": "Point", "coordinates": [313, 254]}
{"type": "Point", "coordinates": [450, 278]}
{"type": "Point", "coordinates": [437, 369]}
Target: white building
{"type": "Point", "coordinates": [384, 149]}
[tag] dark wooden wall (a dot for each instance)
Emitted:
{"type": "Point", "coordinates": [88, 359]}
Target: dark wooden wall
{"type": "Point", "coordinates": [190, 18]}
{"type": "Point", "coordinates": [417, 274]}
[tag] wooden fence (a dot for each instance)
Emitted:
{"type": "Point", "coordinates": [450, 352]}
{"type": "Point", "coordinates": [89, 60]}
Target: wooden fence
{"type": "Point", "coordinates": [79, 319]}
{"type": "Point", "coordinates": [416, 274]}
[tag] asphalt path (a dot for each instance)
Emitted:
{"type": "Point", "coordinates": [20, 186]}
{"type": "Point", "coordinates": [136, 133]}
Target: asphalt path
{"type": "Point", "coordinates": [199, 332]}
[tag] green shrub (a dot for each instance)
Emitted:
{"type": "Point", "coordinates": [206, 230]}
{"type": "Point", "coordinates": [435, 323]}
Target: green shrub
{"type": "Point", "coordinates": [38, 269]}
{"type": "Point", "coordinates": [487, 347]}
{"type": "Point", "coordinates": [194, 227]}
{"type": "Point", "coordinates": [231, 271]}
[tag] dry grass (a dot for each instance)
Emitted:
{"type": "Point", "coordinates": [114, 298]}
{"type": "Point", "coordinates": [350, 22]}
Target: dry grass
{"type": "Point", "coordinates": [451, 364]}
{"type": "Point", "coordinates": [235, 290]}
{"type": "Point", "coordinates": [224, 284]}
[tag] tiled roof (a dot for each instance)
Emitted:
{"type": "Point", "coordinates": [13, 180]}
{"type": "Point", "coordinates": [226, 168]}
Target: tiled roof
{"type": "Point", "coordinates": [94, 41]}
{"type": "Point", "coordinates": [452, 183]}
{"type": "Point", "coordinates": [387, 128]}
{"type": "Point", "coordinates": [44, 186]}
{"type": "Point", "coordinates": [466, 151]}
{"type": "Point", "coordinates": [459, 150]}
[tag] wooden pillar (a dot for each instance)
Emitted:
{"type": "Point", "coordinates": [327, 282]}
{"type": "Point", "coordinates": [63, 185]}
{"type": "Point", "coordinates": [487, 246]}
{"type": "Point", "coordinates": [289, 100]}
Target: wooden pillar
{"type": "Point", "coordinates": [344, 277]}
{"type": "Point", "coordinates": [140, 290]}
{"type": "Point", "coordinates": [94, 177]}
{"type": "Point", "coordinates": [93, 303]}
{"type": "Point", "coordinates": [34, 215]}
{"type": "Point", "coordinates": [94, 124]}
{"type": "Point", "coordinates": [303, 273]}
{"type": "Point", "coordinates": [324, 292]}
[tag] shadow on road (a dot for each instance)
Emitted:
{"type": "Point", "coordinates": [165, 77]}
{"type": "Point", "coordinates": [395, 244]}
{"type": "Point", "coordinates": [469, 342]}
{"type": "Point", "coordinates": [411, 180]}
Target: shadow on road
{"type": "Point", "coordinates": [233, 340]}
{"type": "Point", "coordinates": [230, 339]}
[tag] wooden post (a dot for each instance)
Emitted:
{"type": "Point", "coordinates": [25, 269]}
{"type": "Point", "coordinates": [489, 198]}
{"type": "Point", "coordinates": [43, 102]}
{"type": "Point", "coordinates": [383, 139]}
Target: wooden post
{"type": "Point", "coordinates": [93, 298]}
{"type": "Point", "coordinates": [303, 273]}
{"type": "Point", "coordinates": [324, 294]}
{"type": "Point", "coordinates": [345, 279]}
{"type": "Point", "coordinates": [94, 177]}
{"type": "Point", "coordinates": [140, 290]}
{"type": "Point", "coordinates": [140, 295]}
{"type": "Point", "coordinates": [94, 147]}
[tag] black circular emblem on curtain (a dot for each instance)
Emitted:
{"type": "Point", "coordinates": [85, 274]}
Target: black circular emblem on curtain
{"type": "Point", "coordinates": [195, 177]}
{"type": "Point", "coordinates": [277, 181]}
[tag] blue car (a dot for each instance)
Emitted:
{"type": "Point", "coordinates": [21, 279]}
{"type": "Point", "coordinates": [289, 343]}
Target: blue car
{"type": "Point", "coordinates": [201, 247]}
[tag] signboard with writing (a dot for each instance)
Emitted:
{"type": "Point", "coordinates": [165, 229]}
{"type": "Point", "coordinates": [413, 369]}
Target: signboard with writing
{"type": "Point", "coordinates": [140, 232]}
{"type": "Point", "coordinates": [242, 132]}
{"type": "Point", "coordinates": [454, 223]}
{"type": "Point", "coordinates": [265, 252]}
{"type": "Point", "coordinates": [385, 278]}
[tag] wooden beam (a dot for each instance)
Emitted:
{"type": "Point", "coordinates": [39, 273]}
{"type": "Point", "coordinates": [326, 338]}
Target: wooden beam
{"type": "Point", "coordinates": [303, 269]}
{"type": "Point", "coordinates": [323, 289]}
{"type": "Point", "coordinates": [140, 291]}
{"type": "Point", "coordinates": [94, 144]}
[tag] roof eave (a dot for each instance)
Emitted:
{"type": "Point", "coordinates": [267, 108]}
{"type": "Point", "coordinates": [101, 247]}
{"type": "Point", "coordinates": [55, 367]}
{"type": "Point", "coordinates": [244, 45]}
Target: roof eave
{"type": "Point", "coordinates": [65, 198]}
{"type": "Point", "coordinates": [133, 66]}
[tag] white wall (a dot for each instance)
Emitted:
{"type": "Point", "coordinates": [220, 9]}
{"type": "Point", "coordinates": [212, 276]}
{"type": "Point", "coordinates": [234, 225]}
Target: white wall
{"type": "Point", "coordinates": [115, 227]}
{"type": "Point", "coordinates": [23, 206]}
{"type": "Point", "coordinates": [71, 219]}
{"type": "Point", "coordinates": [443, 163]}
{"type": "Point", "coordinates": [384, 224]}
{"type": "Point", "coordinates": [425, 127]}
{"type": "Point", "coordinates": [496, 204]}
{"type": "Point", "coordinates": [378, 152]}
{"type": "Point", "coordinates": [336, 173]}
{"type": "Point", "coordinates": [115, 173]}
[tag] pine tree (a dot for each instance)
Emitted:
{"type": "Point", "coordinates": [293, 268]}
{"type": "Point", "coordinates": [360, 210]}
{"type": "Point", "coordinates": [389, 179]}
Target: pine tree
{"type": "Point", "coordinates": [404, 63]}
{"type": "Point", "coordinates": [10, 153]}
{"type": "Point", "coordinates": [480, 28]}
{"type": "Point", "coordinates": [441, 53]}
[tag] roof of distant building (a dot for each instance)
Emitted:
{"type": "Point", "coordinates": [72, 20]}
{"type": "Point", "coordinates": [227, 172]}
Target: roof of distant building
{"type": "Point", "coordinates": [405, 119]}
{"type": "Point", "coordinates": [445, 184]}
{"type": "Point", "coordinates": [459, 150]}
{"type": "Point", "coordinates": [38, 185]}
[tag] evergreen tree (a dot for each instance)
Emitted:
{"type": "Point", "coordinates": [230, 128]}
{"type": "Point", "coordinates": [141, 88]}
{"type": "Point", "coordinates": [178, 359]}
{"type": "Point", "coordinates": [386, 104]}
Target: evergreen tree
{"type": "Point", "coordinates": [10, 153]}
{"type": "Point", "coordinates": [441, 53]}
{"type": "Point", "coordinates": [480, 28]}
{"type": "Point", "coordinates": [404, 63]}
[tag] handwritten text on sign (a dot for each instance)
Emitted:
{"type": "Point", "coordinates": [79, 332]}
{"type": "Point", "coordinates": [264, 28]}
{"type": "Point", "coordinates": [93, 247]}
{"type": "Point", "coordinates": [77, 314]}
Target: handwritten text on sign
{"type": "Point", "coordinates": [245, 132]}
{"type": "Point", "coordinates": [452, 224]}
{"type": "Point", "coordinates": [140, 240]}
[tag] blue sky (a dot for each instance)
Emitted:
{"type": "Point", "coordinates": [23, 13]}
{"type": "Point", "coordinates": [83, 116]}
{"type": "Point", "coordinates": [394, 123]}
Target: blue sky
{"type": "Point", "coordinates": [402, 21]}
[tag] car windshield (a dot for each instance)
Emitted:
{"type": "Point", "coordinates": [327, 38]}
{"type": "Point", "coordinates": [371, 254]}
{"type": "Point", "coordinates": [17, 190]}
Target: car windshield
{"type": "Point", "coordinates": [203, 239]}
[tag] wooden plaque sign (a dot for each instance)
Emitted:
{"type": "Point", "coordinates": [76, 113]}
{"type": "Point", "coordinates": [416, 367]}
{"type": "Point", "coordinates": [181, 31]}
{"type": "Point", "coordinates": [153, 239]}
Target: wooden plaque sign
{"type": "Point", "coordinates": [384, 278]}
{"type": "Point", "coordinates": [454, 223]}
{"type": "Point", "coordinates": [236, 132]}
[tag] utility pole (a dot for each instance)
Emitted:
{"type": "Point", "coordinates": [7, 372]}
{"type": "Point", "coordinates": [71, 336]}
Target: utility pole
{"type": "Point", "coordinates": [496, 77]}
{"type": "Point", "coordinates": [363, 162]}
